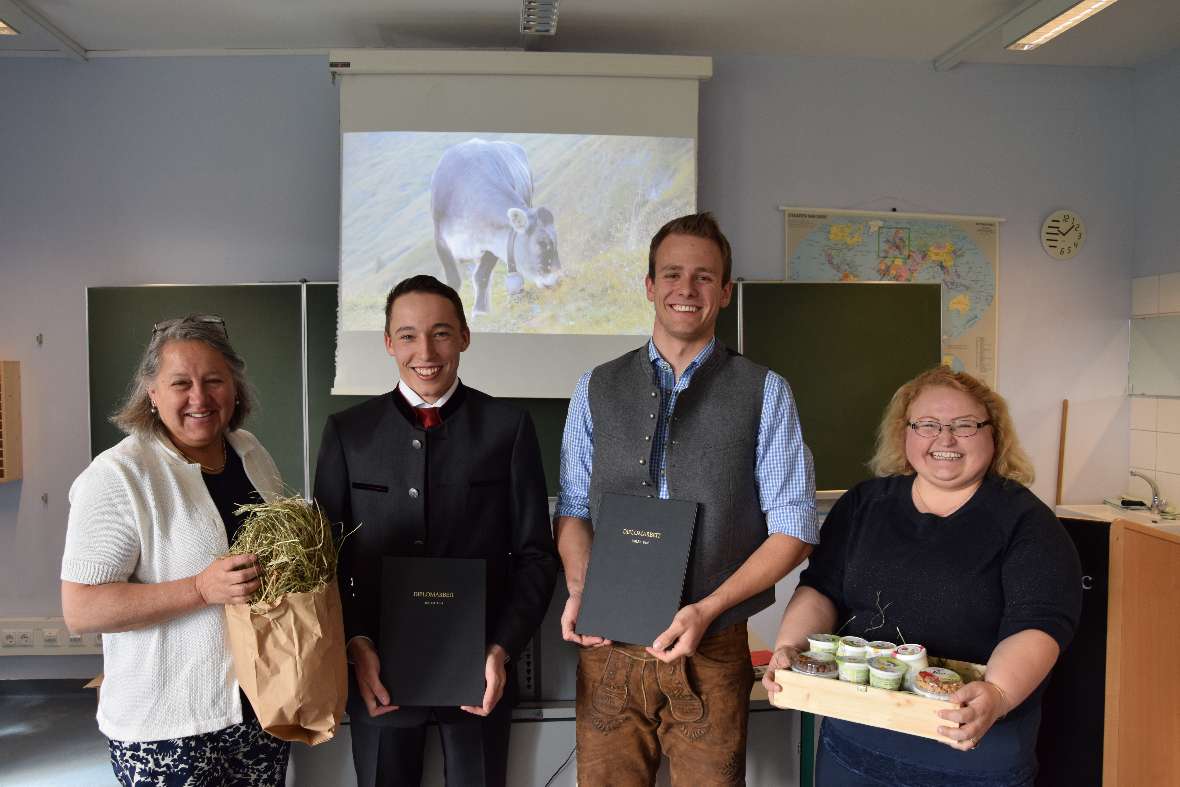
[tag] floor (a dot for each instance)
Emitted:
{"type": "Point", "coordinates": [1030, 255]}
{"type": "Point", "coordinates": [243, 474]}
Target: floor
{"type": "Point", "coordinates": [51, 740]}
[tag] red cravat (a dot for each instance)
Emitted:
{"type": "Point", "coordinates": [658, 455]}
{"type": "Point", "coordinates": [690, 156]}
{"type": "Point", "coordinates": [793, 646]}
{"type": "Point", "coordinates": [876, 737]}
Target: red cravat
{"type": "Point", "coordinates": [428, 416]}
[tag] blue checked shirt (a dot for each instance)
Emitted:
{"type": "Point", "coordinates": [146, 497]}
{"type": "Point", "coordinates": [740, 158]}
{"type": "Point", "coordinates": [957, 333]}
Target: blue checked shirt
{"type": "Point", "coordinates": [783, 466]}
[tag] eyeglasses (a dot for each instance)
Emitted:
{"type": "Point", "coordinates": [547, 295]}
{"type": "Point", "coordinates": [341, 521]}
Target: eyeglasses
{"type": "Point", "coordinates": [964, 427]}
{"type": "Point", "coordinates": [205, 319]}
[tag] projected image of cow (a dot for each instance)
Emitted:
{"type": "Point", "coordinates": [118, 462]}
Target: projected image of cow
{"type": "Point", "coordinates": [539, 233]}
{"type": "Point", "coordinates": [481, 200]}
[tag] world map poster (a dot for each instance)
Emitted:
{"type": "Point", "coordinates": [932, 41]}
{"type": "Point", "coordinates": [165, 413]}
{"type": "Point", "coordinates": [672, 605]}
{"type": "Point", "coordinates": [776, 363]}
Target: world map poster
{"type": "Point", "coordinates": [959, 252]}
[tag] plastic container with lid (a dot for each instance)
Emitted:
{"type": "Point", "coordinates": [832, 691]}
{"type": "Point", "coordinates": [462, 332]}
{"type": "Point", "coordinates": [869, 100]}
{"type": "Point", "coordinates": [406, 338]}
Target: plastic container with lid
{"type": "Point", "coordinates": [886, 672]}
{"type": "Point", "coordinates": [815, 663]}
{"type": "Point", "coordinates": [881, 648]}
{"type": "Point", "coordinates": [853, 669]}
{"type": "Point", "coordinates": [937, 683]}
{"type": "Point", "coordinates": [914, 656]}
{"type": "Point", "coordinates": [824, 643]}
{"type": "Point", "coordinates": [852, 646]}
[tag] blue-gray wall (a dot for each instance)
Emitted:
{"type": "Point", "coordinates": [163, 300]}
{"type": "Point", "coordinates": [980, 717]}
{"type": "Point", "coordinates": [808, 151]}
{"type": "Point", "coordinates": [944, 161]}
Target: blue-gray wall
{"type": "Point", "coordinates": [131, 171]}
{"type": "Point", "coordinates": [126, 171]}
{"type": "Point", "coordinates": [1157, 178]}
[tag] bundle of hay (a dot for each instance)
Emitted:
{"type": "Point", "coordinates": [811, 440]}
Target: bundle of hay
{"type": "Point", "coordinates": [292, 540]}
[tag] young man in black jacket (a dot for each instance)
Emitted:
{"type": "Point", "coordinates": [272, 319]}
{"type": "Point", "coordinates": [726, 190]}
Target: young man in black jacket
{"type": "Point", "coordinates": [435, 469]}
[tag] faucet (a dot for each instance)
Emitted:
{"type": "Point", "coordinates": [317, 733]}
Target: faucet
{"type": "Point", "coordinates": [1156, 503]}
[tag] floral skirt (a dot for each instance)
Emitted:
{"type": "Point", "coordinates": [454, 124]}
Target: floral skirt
{"type": "Point", "coordinates": [241, 755]}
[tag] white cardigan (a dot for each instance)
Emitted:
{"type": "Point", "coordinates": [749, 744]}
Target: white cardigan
{"type": "Point", "coordinates": [141, 513]}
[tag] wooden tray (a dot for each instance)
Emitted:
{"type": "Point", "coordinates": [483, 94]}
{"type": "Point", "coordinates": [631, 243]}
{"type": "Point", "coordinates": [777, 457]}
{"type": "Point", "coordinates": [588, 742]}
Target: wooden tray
{"type": "Point", "coordinates": [899, 711]}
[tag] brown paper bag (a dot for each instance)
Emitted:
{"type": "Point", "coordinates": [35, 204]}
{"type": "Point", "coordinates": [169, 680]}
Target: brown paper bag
{"type": "Point", "coordinates": [290, 661]}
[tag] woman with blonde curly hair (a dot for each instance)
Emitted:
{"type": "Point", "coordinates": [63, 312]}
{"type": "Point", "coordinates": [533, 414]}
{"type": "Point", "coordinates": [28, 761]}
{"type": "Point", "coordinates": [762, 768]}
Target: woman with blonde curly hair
{"type": "Point", "coordinates": [1009, 460]}
{"type": "Point", "coordinates": [946, 547]}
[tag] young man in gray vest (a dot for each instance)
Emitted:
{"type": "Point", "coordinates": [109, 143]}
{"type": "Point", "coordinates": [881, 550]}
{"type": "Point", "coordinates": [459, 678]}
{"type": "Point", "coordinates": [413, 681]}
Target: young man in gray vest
{"type": "Point", "coordinates": [683, 417]}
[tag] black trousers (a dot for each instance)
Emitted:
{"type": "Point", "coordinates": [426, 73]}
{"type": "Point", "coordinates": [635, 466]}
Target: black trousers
{"type": "Point", "coordinates": [475, 748]}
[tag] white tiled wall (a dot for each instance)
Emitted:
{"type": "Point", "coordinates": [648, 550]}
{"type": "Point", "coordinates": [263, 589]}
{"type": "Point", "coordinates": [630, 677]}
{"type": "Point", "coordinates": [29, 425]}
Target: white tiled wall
{"type": "Point", "coordinates": [1155, 294]}
{"type": "Point", "coordinates": [1155, 422]}
{"type": "Point", "coordinates": [1155, 445]}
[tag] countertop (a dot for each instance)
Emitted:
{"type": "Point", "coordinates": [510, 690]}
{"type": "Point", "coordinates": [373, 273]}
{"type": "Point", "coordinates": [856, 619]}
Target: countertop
{"type": "Point", "coordinates": [1107, 513]}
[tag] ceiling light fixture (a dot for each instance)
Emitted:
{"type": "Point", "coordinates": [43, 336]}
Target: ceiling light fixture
{"type": "Point", "coordinates": [1046, 20]}
{"type": "Point", "coordinates": [7, 29]}
{"type": "Point", "coordinates": [538, 18]}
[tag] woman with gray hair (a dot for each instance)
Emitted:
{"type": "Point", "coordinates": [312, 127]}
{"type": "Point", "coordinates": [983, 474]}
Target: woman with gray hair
{"type": "Point", "coordinates": [148, 519]}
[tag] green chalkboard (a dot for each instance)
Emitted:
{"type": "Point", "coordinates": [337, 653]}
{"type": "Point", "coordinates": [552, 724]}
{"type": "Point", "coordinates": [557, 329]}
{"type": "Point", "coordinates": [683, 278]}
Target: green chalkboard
{"type": "Point", "coordinates": [264, 323]}
{"type": "Point", "coordinates": [844, 349]}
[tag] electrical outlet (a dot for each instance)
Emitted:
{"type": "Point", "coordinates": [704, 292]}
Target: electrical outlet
{"type": "Point", "coordinates": [16, 638]}
{"type": "Point", "coordinates": [29, 636]}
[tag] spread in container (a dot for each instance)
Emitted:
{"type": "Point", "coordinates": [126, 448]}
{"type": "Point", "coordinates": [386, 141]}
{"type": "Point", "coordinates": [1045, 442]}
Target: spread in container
{"type": "Point", "coordinates": [852, 646]}
{"type": "Point", "coordinates": [853, 669]}
{"type": "Point", "coordinates": [817, 663]}
{"type": "Point", "coordinates": [937, 683]}
{"type": "Point", "coordinates": [886, 672]}
{"type": "Point", "coordinates": [881, 648]}
{"type": "Point", "coordinates": [824, 643]}
{"type": "Point", "coordinates": [914, 656]}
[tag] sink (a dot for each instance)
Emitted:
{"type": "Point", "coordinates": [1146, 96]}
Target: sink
{"type": "Point", "coordinates": [1107, 513]}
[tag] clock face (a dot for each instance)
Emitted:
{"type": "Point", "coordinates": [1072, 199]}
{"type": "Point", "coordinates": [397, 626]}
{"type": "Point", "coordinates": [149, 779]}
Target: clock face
{"type": "Point", "coordinates": [1063, 234]}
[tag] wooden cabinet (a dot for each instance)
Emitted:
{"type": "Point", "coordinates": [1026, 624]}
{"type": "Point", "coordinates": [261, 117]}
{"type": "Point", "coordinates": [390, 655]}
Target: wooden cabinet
{"type": "Point", "coordinates": [1110, 712]}
{"type": "Point", "coordinates": [1142, 716]}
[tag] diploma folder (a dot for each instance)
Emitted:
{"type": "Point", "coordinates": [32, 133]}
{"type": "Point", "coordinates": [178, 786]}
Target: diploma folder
{"type": "Point", "coordinates": [635, 580]}
{"type": "Point", "coordinates": [432, 630]}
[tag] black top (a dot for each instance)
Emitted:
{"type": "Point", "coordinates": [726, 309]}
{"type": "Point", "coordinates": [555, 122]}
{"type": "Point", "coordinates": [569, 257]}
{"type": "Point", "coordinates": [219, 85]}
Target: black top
{"type": "Point", "coordinates": [229, 489]}
{"type": "Point", "coordinates": [958, 584]}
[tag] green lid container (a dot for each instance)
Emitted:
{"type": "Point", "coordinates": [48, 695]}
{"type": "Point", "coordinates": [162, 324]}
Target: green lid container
{"type": "Point", "coordinates": [886, 672]}
{"type": "Point", "coordinates": [853, 669]}
{"type": "Point", "coordinates": [824, 643]}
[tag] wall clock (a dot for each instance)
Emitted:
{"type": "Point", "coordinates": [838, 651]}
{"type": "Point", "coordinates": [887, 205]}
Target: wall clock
{"type": "Point", "coordinates": [1063, 234]}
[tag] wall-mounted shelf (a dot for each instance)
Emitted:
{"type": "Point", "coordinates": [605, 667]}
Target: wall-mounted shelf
{"type": "Point", "coordinates": [10, 439]}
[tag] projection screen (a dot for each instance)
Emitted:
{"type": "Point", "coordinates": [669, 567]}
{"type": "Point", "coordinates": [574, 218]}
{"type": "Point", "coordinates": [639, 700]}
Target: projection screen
{"type": "Point", "coordinates": [532, 182]}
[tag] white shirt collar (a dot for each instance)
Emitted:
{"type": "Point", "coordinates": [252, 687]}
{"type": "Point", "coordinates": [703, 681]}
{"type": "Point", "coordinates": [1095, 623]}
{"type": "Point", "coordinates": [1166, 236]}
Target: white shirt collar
{"type": "Point", "coordinates": [417, 401]}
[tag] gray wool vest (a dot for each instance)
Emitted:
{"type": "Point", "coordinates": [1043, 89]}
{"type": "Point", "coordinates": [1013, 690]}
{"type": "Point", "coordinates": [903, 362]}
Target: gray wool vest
{"type": "Point", "coordinates": [712, 443]}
